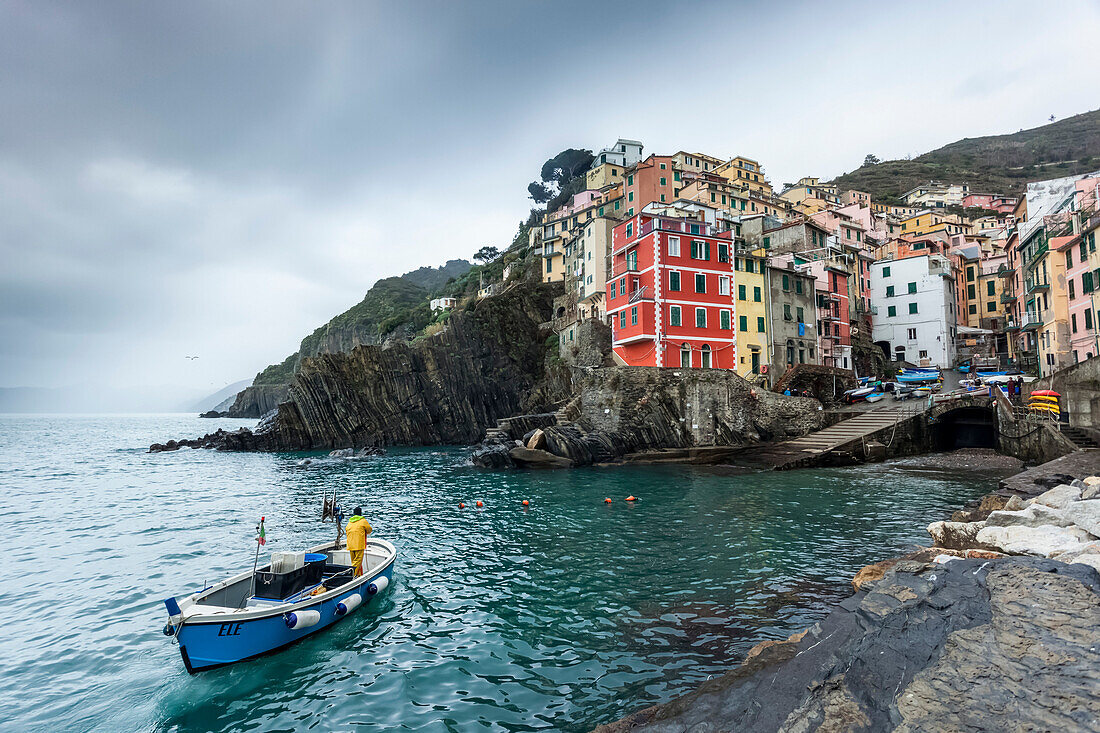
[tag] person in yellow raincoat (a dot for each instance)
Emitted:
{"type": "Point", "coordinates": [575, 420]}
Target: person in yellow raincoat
{"type": "Point", "coordinates": [357, 530]}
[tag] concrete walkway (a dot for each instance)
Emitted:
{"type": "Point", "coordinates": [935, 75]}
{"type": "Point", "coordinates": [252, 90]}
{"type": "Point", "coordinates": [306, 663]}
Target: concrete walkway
{"type": "Point", "coordinates": [793, 453]}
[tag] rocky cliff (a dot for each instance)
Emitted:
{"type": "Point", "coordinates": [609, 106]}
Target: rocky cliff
{"type": "Point", "coordinates": [620, 410]}
{"type": "Point", "coordinates": [447, 388]}
{"type": "Point", "coordinates": [258, 400]}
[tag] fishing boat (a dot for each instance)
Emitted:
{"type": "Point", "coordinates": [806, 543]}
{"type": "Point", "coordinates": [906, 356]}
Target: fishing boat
{"type": "Point", "coordinates": [908, 377]}
{"type": "Point", "coordinates": [875, 396]}
{"type": "Point", "coordinates": [272, 606]}
{"type": "Point", "coordinates": [857, 395]}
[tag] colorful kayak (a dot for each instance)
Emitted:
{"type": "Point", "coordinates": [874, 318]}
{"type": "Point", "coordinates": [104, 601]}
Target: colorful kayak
{"type": "Point", "coordinates": [254, 613]}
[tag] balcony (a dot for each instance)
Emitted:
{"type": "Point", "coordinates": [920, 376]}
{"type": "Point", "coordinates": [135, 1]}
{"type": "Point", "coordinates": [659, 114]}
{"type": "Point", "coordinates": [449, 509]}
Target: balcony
{"type": "Point", "coordinates": [868, 308]}
{"type": "Point", "coordinates": [643, 293]}
{"type": "Point", "coordinates": [624, 266]}
{"type": "Point", "coordinates": [1008, 297]}
{"type": "Point", "coordinates": [1032, 321]}
{"type": "Point", "coordinates": [1037, 284]}
{"type": "Point", "coordinates": [1011, 325]}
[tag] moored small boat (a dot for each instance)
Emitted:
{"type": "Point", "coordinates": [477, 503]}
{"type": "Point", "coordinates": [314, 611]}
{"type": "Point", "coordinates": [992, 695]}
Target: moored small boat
{"type": "Point", "coordinates": [260, 611]}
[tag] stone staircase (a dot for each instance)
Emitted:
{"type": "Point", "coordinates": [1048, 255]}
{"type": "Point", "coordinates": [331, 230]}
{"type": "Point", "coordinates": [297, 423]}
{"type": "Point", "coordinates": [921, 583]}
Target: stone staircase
{"type": "Point", "coordinates": [1079, 437]}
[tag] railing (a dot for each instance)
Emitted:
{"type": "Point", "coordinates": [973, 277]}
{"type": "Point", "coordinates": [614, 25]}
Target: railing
{"type": "Point", "coordinates": [1039, 283]}
{"type": "Point", "coordinates": [621, 268]}
{"type": "Point", "coordinates": [1033, 320]}
{"type": "Point", "coordinates": [640, 294]}
{"type": "Point", "coordinates": [1008, 297]}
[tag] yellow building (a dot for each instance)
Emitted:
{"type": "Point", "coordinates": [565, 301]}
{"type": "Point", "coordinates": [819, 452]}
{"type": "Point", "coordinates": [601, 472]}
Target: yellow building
{"type": "Point", "coordinates": [603, 175]}
{"type": "Point", "coordinates": [750, 282]}
{"type": "Point", "coordinates": [745, 173]}
{"type": "Point", "coordinates": [695, 162]}
{"type": "Point", "coordinates": [926, 222]}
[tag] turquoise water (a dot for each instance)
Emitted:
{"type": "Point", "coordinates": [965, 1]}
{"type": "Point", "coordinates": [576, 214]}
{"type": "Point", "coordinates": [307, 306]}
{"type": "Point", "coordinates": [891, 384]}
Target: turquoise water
{"type": "Point", "coordinates": [565, 615]}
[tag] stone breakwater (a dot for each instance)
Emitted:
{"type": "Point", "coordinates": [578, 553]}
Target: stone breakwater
{"type": "Point", "coordinates": [996, 627]}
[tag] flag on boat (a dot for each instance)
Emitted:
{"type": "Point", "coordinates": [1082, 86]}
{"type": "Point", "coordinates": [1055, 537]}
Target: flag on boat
{"type": "Point", "coordinates": [261, 535]}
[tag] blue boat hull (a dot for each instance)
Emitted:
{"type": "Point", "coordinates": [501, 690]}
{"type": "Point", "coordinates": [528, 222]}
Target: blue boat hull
{"type": "Point", "coordinates": [208, 644]}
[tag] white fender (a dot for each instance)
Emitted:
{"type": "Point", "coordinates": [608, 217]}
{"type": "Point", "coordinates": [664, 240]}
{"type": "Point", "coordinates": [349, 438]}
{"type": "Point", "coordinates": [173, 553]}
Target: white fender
{"type": "Point", "coordinates": [349, 604]}
{"type": "Point", "coordinates": [302, 619]}
{"type": "Point", "coordinates": [378, 585]}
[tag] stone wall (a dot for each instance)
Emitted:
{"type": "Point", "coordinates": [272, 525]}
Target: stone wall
{"type": "Point", "coordinates": [590, 345]}
{"type": "Point", "coordinates": [1030, 439]}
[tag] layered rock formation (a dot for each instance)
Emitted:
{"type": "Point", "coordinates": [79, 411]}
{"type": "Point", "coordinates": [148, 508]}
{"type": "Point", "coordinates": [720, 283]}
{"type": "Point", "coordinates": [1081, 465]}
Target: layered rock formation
{"type": "Point", "coordinates": [977, 645]}
{"type": "Point", "coordinates": [447, 388]}
{"type": "Point", "coordinates": [258, 400]}
{"type": "Point", "coordinates": [622, 410]}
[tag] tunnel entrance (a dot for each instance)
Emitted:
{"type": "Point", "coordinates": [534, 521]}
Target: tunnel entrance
{"type": "Point", "coordinates": [966, 427]}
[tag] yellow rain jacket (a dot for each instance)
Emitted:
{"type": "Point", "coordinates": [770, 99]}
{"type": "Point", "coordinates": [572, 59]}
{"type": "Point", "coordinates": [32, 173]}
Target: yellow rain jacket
{"type": "Point", "coordinates": [357, 530]}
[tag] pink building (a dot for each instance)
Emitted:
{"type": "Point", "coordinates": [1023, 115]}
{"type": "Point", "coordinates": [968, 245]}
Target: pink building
{"type": "Point", "coordinates": [1082, 295]}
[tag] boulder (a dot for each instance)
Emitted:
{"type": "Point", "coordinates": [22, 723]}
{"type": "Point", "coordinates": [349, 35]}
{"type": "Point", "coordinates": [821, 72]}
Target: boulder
{"type": "Point", "coordinates": [1058, 497]}
{"type": "Point", "coordinates": [1091, 491]}
{"type": "Point", "coordinates": [1036, 515]}
{"type": "Point", "coordinates": [871, 573]}
{"type": "Point", "coordinates": [1014, 504]}
{"type": "Point", "coordinates": [955, 535]}
{"type": "Point", "coordinates": [989, 503]}
{"type": "Point", "coordinates": [1088, 554]}
{"type": "Point", "coordinates": [1045, 541]}
{"type": "Point", "coordinates": [537, 441]}
{"type": "Point", "coordinates": [492, 456]}
{"type": "Point", "coordinates": [1085, 514]}
{"type": "Point", "coordinates": [1092, 481]}
{"type": "Point", "coordinates": [532, 458]}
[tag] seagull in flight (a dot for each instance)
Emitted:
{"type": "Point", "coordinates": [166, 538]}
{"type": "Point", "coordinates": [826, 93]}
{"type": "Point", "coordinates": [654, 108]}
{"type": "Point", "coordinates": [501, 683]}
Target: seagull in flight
{"type": "Point", "coordinates": [192, 358]}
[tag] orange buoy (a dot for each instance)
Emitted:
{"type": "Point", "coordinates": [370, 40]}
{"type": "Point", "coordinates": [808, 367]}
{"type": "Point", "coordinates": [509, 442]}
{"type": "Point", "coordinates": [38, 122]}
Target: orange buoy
{"type": "Point", "coordinates": [461, 505]}
{"type": "Point", "coordinates": [479, 503]}
{"type": "Point", "coordinates": [607, 500]}
{"type": "Point", "coordinates": [632, 498]}
{"type": "Point", "coordinates": [525, 502]}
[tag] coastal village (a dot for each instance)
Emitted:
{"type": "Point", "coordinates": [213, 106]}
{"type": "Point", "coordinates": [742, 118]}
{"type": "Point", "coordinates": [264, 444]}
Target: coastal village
{"type": "Point", "coordinates": [695, 260]}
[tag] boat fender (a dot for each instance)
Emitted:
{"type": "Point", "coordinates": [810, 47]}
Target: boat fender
{"type": "Point", "coordinates": [380, 584]}
{"type": "Point", "coordinates": [302, 619]}
{"type": "Point", "coordinates": [349, 604]}
{"type": "Point", "coordinates": [169, 629]}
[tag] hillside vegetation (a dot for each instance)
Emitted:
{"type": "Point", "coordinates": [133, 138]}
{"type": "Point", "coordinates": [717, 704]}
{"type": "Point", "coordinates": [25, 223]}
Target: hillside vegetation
{"type": "Point", "coordinates": [993, 164]}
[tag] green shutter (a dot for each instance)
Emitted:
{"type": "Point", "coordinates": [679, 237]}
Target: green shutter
{"type": "Point", "coordinates": [760, 324]}
{"type": "Point", "coordinates": [743, 323]}
{"type": "Point", "coordinates": [741, 292]}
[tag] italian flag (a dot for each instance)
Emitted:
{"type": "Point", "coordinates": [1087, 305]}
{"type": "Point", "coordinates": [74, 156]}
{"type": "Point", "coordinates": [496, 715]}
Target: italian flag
{"type": "Point", "coordinates": [261, 535]}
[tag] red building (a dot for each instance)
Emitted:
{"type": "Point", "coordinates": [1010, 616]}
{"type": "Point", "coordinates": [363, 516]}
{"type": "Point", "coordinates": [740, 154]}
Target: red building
{"type": "Point", "coordinates": [670, 293]}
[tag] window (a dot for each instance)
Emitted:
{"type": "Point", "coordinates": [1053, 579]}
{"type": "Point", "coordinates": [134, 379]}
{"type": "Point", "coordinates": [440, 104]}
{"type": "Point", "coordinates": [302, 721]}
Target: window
{"type": "Point", "coordinates": [723, 253]}
{"type": "Point", "coordinates": [700, 282]}
{"type": "Point", "coordinates": [912, 307]}
{"type": "Point", "coordinates": [663, 166]}
{"type": "Point", "coordinates": [673, 246]}
{"type": "Point", "coordinates": [700, 317]}
{"type": "Point", "coordinates": [750, 265]}
{"type": "Point", "coordinates": [911, 334]}
{"type": "Point", "coordinates": [990, 288]}
{"type": "Point", "coordinates": [674, 315]}
{"type": "Point", "coordinates": [790, 352]}
{"type": "Point", "coordinates": [912, 288]}
{"type": "Point", "coordinates": [630, 230]}
{"type": "Point", "coordinates": [892, 310]}
{"type": "Point", "coordinates": [786, 282]}
{"type": "Point", "coordinates": [741, 292]}
{"type": "Point", "coordinates": [664, 181]}
{"type": "Point", "coordinates": [622, 286]}
{"type": "Point", "coordinates": [742, 323]}
{"type": "Point", "coordinates": [612, 292]}
{"type": "Point", "coordinates": [760, 324]}
{"type": "Point", "coordinates": [704, 356]}
{"type": "Point", "coordinates": [798, 286]}
{"type": "Point", "coordinates": [800, 315]}
{"type": "Point", "coordinates": [1069, 281]}
{"type": "Point", "coordinates": [630, 180]}
{"type": "Point", "coordinates": [617, 202]}
{"type": "Point", "coordinates": [622, 319]}
{"type": "Point", "coordinates": [673, 280]}
{"type": "Point", "coordinates": [634, 316]}
{"type": "Point", "coordinates": [700, 250]}
{"type": "Point", "coordinates": [767, 240]}
{"type": "Point", "coordinates": [1088, 319]}
{"type": "Point", "coordinates": [923, 354]}
{"type": "Point", "coordinates": [970, 274]}
{"type": "Point", "coordinates": [786, 311]}
{"type": "Point", "coordinates": [685, 356]}
{"type": "Point", "coordinates": [889, 291]}
{"type": "Point", "coordinates": [724, 285]}
{"type": "Point", "coordinates": [756, 294]}
{"type": "Point", "coordinates": [676, 175]}
{"type": "Point", "coordinates": [970, 294]}
{"type": "Point", "coordinates": [1069, 258]}
{"type": "Point", "coordinates": [724, 320]}
{"type": "Point", "coordinates": [1086, 282]}
{"type": "Point", "coordinates": [630, 196]}
{"type": "Point", "coordinates": [972, 309]}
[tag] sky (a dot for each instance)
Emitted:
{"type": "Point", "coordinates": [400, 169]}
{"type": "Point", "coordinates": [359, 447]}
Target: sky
{"type": "Point", "coordinates": [218, 179]}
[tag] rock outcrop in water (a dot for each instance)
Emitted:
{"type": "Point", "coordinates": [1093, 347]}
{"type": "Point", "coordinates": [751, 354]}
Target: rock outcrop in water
{"type": "Point", "coordinates": [258, 400]}
{"type": "Point", "coordinates": [622, 410]}
{"type": "Point", "coordinates": [977, 645]}
{"type": "Point", "coordinates": [446, 388]}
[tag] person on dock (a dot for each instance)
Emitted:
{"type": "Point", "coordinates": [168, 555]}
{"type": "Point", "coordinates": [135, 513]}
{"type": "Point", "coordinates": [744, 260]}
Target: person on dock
{"type": "Point", "coordinates": [357, 530]}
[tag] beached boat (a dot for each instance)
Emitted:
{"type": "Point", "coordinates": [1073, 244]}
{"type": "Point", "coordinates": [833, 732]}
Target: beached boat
{"type": "Point", "coordinates": [875, 396]}
{"type": "Point", "coordinates": [857, 395]}
{"type": "Point", "coordinates": [278, 604]}
{"type": "Point", "coordinates": [918, 377]}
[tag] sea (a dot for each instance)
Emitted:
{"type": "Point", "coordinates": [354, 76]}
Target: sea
{"type": "Point", "coordinates": [559, 615]}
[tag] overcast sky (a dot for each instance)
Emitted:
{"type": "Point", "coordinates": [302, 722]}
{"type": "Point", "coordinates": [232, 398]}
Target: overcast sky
{"type": "Point", "coordinates": [218, 179]}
